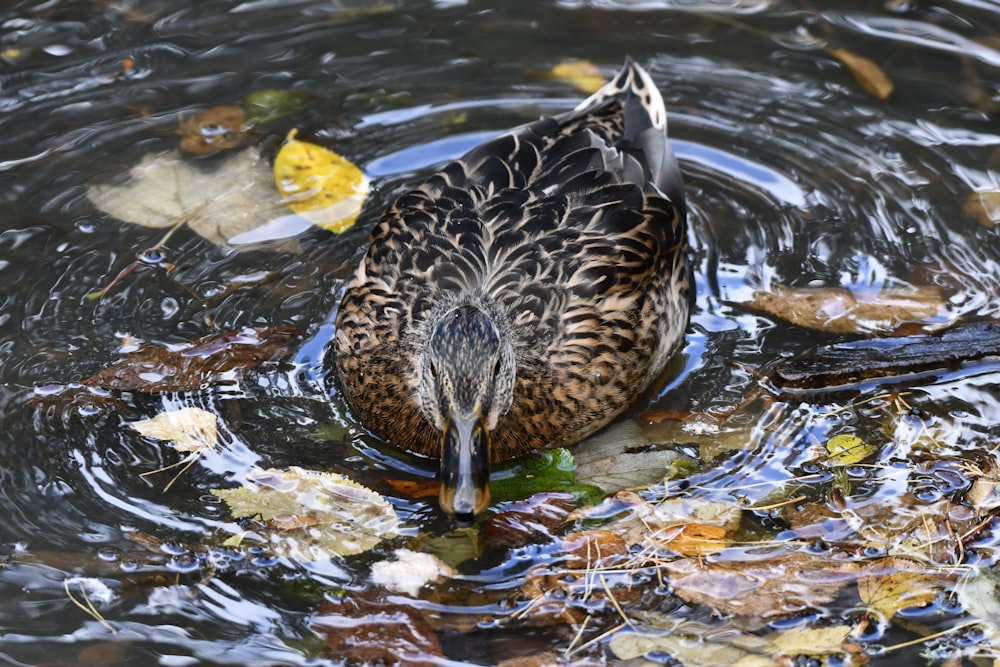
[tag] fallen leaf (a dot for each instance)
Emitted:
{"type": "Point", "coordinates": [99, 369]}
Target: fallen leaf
{"type": "Point", "coordinates": [781, 585]}
{"type": "Point", "coordinates": [319, 185]}
{"type": "Point", "coordinates": [365, 628]}
{"type": "Point", "coordinates": [231, 205]}
{"type": "Point", "coordinates": [313, 515]}
{"type": "Point", "coordinates": [409, 572]}
{"type": "Point", "coordinates": [871, 77]}
{"type": "Point", "coordinates": [213, 359]}
{"type": "Point", "coordinates": [189, 429]}
{"type": "Point", "coordinates": [551, 470]}
{"type": "Point", "coordinates": [620, 457]}
{"type": "Point", "coordinates": [847, 449]}
{"type": "Point", "coordinates": [582, 74]}
{"type": "Point", "coordinates": [214, 129]}
{"type": "Point", "coordinates": [893, 584]}
{"type": "Point", "coordinates": [525, 521]}
{"type": "Point", "coordinates": [839, 310]}
{"type": "Point", "coordinates": [984, 205]}
{"type": "Point", "coordinates": [979, 595]}
{"type": "Point", "coordinates": [262, 106]}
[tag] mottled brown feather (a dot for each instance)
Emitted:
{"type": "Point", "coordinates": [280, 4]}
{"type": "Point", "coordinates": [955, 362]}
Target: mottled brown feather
{"type": "Point", "coordinates": [573, 230]}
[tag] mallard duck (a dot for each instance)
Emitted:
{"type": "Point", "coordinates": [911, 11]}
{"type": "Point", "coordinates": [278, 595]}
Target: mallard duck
{"type": "Point", "coordinates": [521, 297]}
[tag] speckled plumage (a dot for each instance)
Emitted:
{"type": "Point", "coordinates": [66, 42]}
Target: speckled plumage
{"type": "Point", "coordinates": [569, 234]}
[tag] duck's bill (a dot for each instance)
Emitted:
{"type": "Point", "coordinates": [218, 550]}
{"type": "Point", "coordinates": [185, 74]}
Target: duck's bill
{"type": "Point", "coordinates": [465, 469]}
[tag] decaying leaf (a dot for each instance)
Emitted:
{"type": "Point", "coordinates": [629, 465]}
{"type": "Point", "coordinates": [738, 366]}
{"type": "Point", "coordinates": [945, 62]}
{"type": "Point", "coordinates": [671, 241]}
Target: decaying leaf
{"type": "Point", "coordinates": [892, 584]}
{"type": "Point", "coordinates": [213, 359]}
{"type": "Point", "coordinates": [313, 515]}
{"type": "Point", "coordinates": [266, 105]}
{"type": "Point", "coordinates": [839, 310]}
{"type": "Point", "coordinates": [847, 449]}
{"type": "Point", "coordinates": [984, 205]}
{"type": "Point", "coordinates": [189, 429]}
{"type": "Point", "coordinates": [232, 204]}
{"type": "Point", "coordinates": [214, 129]}
{"type": "Point", "coordinates": [582, 74]}
{"type": "Point", "coordinates": [522, 522]}
{"type": "Point", "coordinates": [696, 644]}
{"type": "Point", "coordinates": [871, 77]}
{"type": "Point", "coordinates": [366, 628]}
{"type": "Point", "coordinates": [768, 588]}
{"type": "Point", "coordinates": [620, 457]}
{"type": "Point", "coordinates": [410, 571]}
{"type": "Point", "coordinates": [980, 596]}
{"type": "Point", "coordinates": [319, 185]}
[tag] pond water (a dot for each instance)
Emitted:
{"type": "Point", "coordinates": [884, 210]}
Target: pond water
{"type": "Point", "coordinates": [796, 175]}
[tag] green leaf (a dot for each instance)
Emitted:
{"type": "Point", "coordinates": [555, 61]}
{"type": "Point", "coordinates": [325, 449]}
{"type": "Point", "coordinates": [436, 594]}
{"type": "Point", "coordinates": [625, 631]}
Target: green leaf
{"type": "Point", "coordinates": [553, 470]}
{"type": "Point", "coordinates": [266, 105]}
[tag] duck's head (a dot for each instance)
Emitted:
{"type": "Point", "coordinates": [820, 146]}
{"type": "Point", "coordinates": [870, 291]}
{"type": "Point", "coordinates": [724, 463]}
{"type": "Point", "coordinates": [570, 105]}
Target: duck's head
{"type": "Point", "coordinates": [466, 384]}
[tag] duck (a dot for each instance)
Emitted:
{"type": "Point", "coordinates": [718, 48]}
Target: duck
{"type": "Point", "coordinates": [522, 296]}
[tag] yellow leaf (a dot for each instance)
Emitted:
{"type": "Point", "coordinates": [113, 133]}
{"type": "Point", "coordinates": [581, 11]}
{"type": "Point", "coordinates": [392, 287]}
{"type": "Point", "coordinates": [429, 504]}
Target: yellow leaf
{"type": "Point", "coordinates": [985, 206]}
{"type": "Point", "coordinates": [865, 72]}
{"type": "Point", "coordinates": [582, 74]}
{"type": "Point", "coordinates": [898, 590]}
{"type": "Point", "coordinates": [849, 449]}
{"type": "Point", "coordinates": [319, 185]}
{"type": "Point", "coordinates": [695, 539]}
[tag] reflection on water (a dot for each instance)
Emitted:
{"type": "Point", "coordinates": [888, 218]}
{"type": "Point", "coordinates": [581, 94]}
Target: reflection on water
{"type": "Point", "coordinates": [794, 174]}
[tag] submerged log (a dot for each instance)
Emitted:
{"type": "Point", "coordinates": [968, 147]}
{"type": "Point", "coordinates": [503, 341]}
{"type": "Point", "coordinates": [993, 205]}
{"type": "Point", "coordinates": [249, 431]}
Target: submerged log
{"type": "Point", "coordinates": [896, 360]}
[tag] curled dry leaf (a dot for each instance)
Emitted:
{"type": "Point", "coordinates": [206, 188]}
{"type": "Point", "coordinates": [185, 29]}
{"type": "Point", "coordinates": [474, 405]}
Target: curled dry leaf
{"type": "Point", "coordinates": [189, 429]}
{"type": "Point", "coordinates": [839, 310]}
{"type": "Point", "coordinates": [313, 515]}
{"type": "Point", "coordinates": [871, 77]}
{"type": "Point", "coordinates": [319, 185]}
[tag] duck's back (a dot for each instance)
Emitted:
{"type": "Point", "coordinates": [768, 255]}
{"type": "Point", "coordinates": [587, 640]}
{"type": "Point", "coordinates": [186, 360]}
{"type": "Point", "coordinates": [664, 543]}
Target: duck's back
{"type": "Point", "coordinates": [571, 231]}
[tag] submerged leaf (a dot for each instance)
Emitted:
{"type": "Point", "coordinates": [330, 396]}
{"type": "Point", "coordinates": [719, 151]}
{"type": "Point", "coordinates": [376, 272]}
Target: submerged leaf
{"type": "Point", "coordinates": [865, 72]}
{"type": "Point", "coordinates": [582, 74]}
{"type": "Point", "coordinates": [319, 185]}
{"type": "Point", "coordinates": [847, 449]}
{"type": "Point", "coordinates": [265, 105]}
{"type": "Point", "coordinates": [984, 205]}
{"type": "Point", "coordinates": [223, 206]}
{"type": "Point", "coordinates": [839, 310]}
{"type": "Point", "coordinates": [552, 470]}
{"type": "Point", "coordinates": [190, 429]}
{"type": "Point", "coordinates": [313, 515]}
{"type": "Point", "coordinates": [215, 129]}
{"type": "Point", "coordinates": [410, 571]}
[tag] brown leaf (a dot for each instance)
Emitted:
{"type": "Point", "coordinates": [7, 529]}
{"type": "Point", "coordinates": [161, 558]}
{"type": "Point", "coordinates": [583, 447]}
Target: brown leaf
{"type": "Point", "coordinates": [871, 77]}
{"type": "Point", "coordinates": [154, 368]}
{"type": "Point", "coordinates": [772, 588]}
{"type": "Point", "coordinates": [839, 310]}
{"type": "Point", "coordinates": [523, 522]}
{"type": "Point", "coordinates": [214, 129]}
{"type": "Point", "coordinates": [424, 488]}
{"type": "Point", "coordinates": [365, 627]}
{"type": "Point", "coordinates": [892, 584]}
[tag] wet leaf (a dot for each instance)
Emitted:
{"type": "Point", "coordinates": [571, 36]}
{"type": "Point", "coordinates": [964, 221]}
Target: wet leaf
{"type": "Point", "coordinates": [533, 519]}
{"type": "Point", "coordinates": [214, 129]}
{"type": "Point", "coordinates": [365, 628]}
{"type": "Point", "coordinates": [582, 74]}
{"type": "Point", "coordinates": [620, 457]}
{"type": "Point", "coordinates": [266, 105]}
{"type": "Point", "coordinates": [313, 515]}
{"type": "Point", "coordinates": [847, 449]}
{"type": "Point", "coordinates": [233, 204]}
{"type": "Point", "coordinates": [213, 359]}
{"type": "Point", "coordinates": [189, 429]}
{"type": "Point", "coordinates": [980, 597]}
{"type": "Point", "coordinates": [409, 572]}
{"type": "Point", "coordinates": [319, 185]}
{"type": "Point", "coordinates": [768, 588]}
{"type": "Point", "coordinates": [871, 77]}
{"type": "Point", "coordinates": [984, 205]}
{"type": "Point", "coordinates": [894, 584]}
{"type": "Point", "coordinates": [839, 310]}
{"type": "Point", "coordinates": [552, 470]}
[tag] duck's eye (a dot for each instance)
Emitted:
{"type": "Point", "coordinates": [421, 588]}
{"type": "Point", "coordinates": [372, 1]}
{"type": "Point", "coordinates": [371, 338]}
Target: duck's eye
{"type": "Point", "coordinates": [496, 368]}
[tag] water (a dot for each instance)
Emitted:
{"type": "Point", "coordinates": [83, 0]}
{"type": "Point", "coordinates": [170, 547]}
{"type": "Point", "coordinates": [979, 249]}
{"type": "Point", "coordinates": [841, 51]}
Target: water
{"type": "Point", "coordinates": [795, 175]}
